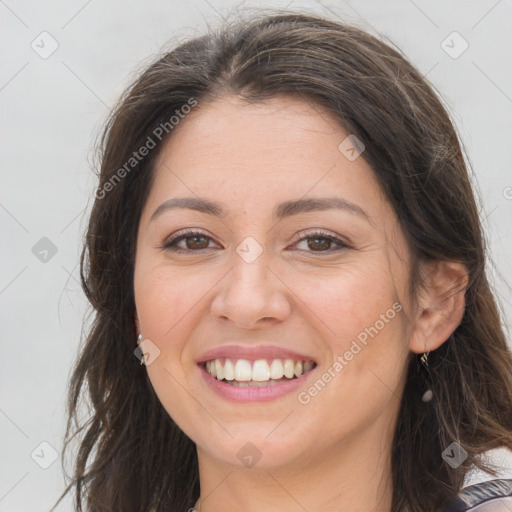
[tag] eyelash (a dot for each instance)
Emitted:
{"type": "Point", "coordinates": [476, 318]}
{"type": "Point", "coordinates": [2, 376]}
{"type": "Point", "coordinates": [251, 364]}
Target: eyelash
{"type": "Point", "coordinates": [170, 244]}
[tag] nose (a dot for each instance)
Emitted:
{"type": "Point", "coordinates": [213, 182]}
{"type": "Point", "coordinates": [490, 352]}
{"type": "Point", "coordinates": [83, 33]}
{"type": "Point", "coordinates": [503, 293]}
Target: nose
{"type": "Point", "coordinates": [252, 294]}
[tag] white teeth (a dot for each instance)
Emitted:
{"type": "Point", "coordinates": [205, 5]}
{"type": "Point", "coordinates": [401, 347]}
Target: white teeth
{"type": "Point", "coordinates": [254, 384]}
{"type": "Point", "coordinates": [229, 370]}
{"type": "Point", "coordinates": [289, 368]}
{"type": "Point", "coordinates": [260, 370]}
{"type": "Point", "coordinates": [219, 369]}
{"type": "Point", "coordinates": [250, 373]}
{"type": "Point", "coordinates": [276, 369]}
{"type": "Point", "coordinates": [243, 370]}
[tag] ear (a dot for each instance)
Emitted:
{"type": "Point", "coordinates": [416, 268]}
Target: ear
{"type": "Point", "coordinates": [440, 304]}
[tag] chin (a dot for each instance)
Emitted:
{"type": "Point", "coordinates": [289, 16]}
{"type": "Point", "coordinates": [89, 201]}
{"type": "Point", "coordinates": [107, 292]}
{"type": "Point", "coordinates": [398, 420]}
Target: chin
{"type": "Point", "coordinates": [255, 453]}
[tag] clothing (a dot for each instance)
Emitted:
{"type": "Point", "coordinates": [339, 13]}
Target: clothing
{"type": "Point", "coordinates": [490, 496]}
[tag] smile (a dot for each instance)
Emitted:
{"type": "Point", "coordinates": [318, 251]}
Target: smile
{"type": "Point", "coordinates": [255, 380]}
{"type": "Point", "coordinates": [261, 372]}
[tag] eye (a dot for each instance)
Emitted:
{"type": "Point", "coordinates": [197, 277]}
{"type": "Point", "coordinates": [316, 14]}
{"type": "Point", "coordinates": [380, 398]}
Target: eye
{"type": "Point", "coordinates": [322, 241]}
{"type": "Point", "coordinates": [318, 241]}
{"type": "Point", "coordinates": [194, 241]}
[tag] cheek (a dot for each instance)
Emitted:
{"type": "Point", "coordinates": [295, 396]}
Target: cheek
{"type": "Point", "coordinates": [361, 321]}
{"type": "Point", "coordinates": [362, 381]}
{"type": "Point", "coordinates": [166, 299]}
{"type": "Point", "coordinates": [167, 304]}
{"type": "Point", "coordinates": [348, 300]}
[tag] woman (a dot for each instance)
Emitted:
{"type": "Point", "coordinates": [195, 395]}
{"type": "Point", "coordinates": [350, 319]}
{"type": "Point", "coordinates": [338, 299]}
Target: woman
{"type": "Point", "coordinates": [285, 237]}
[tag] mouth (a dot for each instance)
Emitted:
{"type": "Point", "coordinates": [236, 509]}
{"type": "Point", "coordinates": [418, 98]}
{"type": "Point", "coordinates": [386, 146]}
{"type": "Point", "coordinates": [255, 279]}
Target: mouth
{"type": "Point", "coordinates": [258, 372]}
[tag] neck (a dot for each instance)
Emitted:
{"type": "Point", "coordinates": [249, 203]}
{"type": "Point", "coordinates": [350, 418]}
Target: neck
{"type": "Point", "coordinates": [355, 476]}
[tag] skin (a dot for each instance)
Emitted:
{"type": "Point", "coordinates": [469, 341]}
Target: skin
{"type": "Point", "coordinates": [333, 453]}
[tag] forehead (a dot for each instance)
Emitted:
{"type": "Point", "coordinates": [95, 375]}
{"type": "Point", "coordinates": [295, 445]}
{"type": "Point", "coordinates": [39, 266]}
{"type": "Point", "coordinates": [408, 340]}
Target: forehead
{"type": "Point", "coordinates": [267, 152]}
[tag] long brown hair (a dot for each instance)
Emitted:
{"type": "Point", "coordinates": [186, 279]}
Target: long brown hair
{"type": "Point", "coordinates": [131, 455]}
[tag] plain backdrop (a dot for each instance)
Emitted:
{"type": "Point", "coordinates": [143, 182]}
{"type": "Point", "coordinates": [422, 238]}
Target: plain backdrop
{"type": "Point", "coordinates": [62, 67]}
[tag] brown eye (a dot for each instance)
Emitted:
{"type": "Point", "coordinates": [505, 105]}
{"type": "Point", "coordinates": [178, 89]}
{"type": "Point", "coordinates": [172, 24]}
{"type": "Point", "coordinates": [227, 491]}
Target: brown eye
{"type": "Point", "coordinates": [197, 242]}
{"type": "Point", "coordinates": [194, 241]}
{"type": "Point", "coordinates": [319, 243]}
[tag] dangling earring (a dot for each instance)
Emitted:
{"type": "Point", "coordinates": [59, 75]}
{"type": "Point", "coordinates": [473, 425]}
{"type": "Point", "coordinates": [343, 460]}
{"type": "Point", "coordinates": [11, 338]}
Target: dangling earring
{"type": "Point", "coordinates": [139, 340]}
{"type": "Point", "coordinates": [427, 396]}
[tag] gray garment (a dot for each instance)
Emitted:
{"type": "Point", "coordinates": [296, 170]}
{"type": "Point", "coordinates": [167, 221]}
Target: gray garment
{"type": "Point", "coordinates": [496, 505]}
{"type": "Point", "coordinates": [490, 496]}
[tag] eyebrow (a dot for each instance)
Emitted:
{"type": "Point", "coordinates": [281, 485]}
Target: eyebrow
{"type": "Point", "coordinates": [281, 211]}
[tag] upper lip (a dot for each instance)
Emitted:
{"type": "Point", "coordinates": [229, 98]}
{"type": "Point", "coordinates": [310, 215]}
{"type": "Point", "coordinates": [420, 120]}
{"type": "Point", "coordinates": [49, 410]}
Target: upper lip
{"type": "Point", "coordinates": [252, 353]}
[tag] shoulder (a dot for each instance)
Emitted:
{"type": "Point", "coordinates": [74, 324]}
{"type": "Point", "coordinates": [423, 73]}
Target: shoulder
{"type": "Point", "coordinates": [490, 496]}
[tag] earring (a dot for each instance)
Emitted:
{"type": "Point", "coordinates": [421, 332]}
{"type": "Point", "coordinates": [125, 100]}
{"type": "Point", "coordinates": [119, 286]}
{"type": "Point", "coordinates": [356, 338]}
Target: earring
{"type": "Point", "coordinates": [139, 340]}
{"type": "Point", "coordinates": [427, 396]}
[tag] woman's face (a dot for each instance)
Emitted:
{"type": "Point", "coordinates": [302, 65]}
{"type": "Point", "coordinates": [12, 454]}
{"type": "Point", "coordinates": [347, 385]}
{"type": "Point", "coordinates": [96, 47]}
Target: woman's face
{"type": "Point", "coordinates": [300, 266]}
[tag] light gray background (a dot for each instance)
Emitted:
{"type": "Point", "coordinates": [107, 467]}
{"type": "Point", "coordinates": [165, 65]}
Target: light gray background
{"type": "Point", "coordinates": [51, 111]}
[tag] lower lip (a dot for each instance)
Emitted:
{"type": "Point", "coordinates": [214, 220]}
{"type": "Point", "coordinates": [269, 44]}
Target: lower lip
{"type": "Point", "coordinates": [253, 394]}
